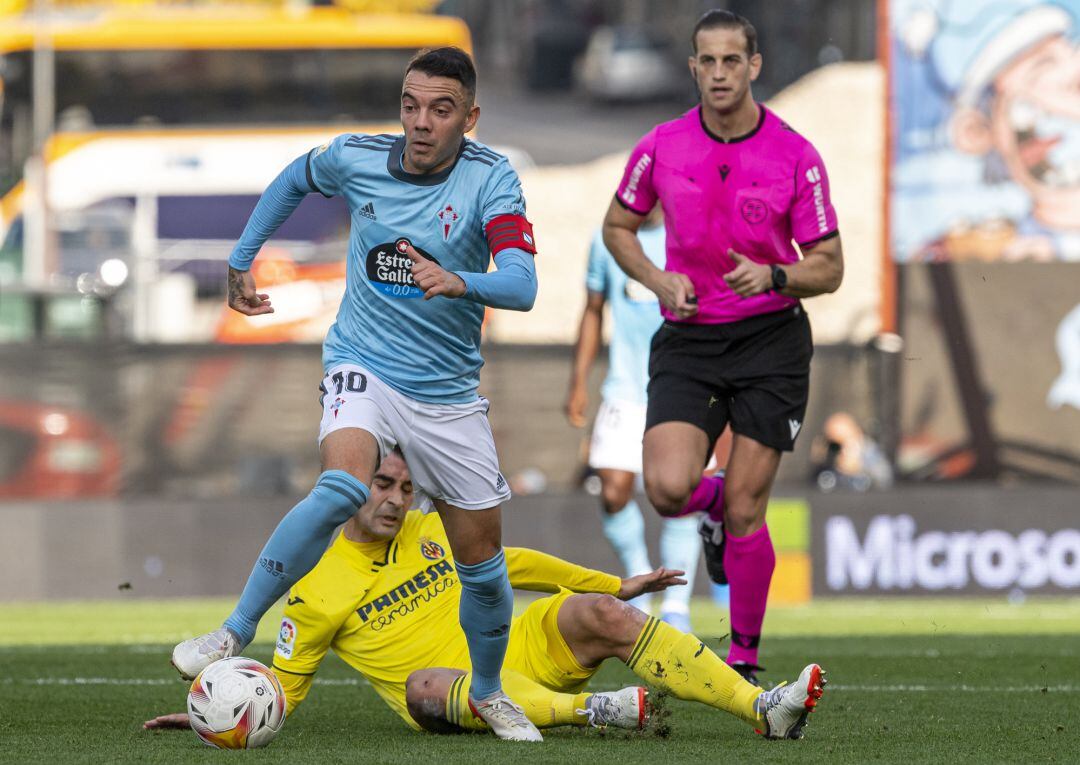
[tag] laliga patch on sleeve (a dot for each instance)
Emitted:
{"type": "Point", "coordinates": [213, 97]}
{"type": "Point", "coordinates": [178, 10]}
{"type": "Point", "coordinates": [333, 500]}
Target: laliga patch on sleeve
{"type": "Point", "coordinates": [505, 231]}
{"type": "Point", "coordinates": [286, 638]}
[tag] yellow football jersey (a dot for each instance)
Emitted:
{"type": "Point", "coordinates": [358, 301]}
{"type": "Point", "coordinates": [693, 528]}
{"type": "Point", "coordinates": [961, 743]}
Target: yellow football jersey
{"type": "Point", "coordinates": [390, 608]}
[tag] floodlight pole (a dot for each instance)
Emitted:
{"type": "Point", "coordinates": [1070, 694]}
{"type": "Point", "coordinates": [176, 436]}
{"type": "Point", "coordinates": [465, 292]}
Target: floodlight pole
{"type": "Point", "coordinates": [145, 251]}
{"type": "Point", "coordinates": [37, 263]}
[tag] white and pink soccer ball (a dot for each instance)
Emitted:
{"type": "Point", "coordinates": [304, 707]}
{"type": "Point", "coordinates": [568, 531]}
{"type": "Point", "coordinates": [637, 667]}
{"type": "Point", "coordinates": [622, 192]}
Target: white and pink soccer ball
{"type": "Point", "coordinates": [236, 703]}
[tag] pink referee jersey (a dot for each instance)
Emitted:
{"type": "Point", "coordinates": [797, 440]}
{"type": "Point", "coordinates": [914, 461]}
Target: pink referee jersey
{"type": "Point", "coordinates": [754, 194]}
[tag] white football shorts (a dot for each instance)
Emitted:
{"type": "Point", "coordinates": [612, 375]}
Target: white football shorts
{"type": "Point", "coordinates": [449, 447]}
{"type": "Point", "coordinates": [616, 436]}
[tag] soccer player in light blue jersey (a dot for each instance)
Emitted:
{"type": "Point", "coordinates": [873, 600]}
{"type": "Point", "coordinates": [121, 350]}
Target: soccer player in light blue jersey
{"type": "Point", "coordinates": [430, 208]}
{"type": "Point", "coordinates": [615, 450]}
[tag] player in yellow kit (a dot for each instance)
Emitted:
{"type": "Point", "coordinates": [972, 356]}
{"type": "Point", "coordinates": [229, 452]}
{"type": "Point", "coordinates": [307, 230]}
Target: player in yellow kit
{"type": "Point", "coordinates": [390, 607]}
{"type": "Point", "coordinates": [384, 597]}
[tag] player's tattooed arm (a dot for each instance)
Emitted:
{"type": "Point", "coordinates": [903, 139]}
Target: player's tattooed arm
{"type": "Point", "coordinates": [242, 296]}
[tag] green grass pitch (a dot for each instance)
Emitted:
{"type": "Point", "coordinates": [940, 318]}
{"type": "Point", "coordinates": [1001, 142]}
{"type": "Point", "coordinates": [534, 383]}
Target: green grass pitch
{"type": "Point", "coordinates": [911, 681]}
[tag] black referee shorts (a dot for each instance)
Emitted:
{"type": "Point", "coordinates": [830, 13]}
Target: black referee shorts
{"type": "Point", "coordinates": [753, 373]}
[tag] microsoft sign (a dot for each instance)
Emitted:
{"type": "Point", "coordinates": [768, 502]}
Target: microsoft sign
{"type": "Point", "coordinates": [937, 541]}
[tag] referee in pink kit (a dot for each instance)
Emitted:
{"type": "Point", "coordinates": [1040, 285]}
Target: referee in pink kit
{"type": "Point", "coordinates": [738, 186]}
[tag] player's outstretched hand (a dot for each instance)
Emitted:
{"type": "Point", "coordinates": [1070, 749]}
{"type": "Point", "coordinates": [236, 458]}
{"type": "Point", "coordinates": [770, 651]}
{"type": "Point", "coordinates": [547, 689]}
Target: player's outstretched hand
{"type": "Point", "coordinates": [654, 581]}
{"type": "Point", "coordinates": [676, 293]}
{"type": "Point", "coordinates": [243, 297]}
{"type": "Point", "coordinates": [432, 278]}
{"type": "Point", "coordinates": [161, 722]}
{"type": "Point", "coordinates": [748, 278]}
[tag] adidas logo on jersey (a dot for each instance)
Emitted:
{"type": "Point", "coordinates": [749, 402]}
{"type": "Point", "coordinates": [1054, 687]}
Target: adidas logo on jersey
{"type": "Point", "coordinates": [500, 483]}
{"type": "Point", "coordinates": [795, 426]}
{"type": "Point", "coordinates": [368, 211]}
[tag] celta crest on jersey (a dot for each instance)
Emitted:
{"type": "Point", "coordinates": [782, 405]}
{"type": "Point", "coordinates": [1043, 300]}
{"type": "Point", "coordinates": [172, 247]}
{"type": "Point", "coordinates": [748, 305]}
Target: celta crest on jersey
{"type": "Point", "coordinates": [390, 270]}
{"type": "Point", "coordinates": [447, 218]}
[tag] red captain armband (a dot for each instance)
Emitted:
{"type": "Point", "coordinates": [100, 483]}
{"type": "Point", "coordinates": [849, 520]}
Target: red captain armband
{"type": "Point", "coordinates": [505, 231]}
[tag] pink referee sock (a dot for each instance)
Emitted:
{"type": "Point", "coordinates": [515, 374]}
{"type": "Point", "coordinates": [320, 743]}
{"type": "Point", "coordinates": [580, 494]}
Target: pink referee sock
{"type": "Point", "coordinates": [748, 562]}
{"type": "Point", "coordinates": [708, 497]}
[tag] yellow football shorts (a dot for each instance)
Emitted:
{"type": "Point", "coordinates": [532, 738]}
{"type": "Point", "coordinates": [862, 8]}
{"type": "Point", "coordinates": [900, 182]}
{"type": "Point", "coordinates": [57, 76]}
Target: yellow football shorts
{"type": "Point", "coordinates": [538, 650]}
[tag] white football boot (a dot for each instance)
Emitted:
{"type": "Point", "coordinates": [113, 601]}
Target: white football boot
{"type": "Point", "coordinates": [193, 656]}
{"type": "Point", "coordinates": [627, 708]}
{"type": "Point", "coordinates": [506, 719]}
{"type": "Point", "coordinates": [785, 708]}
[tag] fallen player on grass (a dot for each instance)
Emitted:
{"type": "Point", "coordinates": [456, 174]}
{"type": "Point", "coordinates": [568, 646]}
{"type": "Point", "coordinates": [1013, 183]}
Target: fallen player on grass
{"type": "Point", "coordinates": [384, 597]}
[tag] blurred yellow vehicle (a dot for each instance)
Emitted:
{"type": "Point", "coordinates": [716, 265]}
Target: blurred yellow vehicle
{"type": "Point", "coordinates": [171, 121]}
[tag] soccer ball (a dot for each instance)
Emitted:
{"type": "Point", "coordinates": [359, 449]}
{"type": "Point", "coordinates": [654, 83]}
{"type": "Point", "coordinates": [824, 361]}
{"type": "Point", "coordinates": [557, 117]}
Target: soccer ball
{"type": "Point", "coordinates": [236, 703]}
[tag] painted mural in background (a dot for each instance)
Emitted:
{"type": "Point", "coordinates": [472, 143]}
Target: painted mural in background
{"type": "Point", "coordinates": [986, 126]}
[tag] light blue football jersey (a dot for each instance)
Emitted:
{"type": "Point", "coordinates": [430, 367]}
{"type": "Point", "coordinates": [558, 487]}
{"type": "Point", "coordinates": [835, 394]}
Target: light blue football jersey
{"type": "Point", "coordinates": [427, 349]}
{"type": "Point", "coordinates": [635, 316]}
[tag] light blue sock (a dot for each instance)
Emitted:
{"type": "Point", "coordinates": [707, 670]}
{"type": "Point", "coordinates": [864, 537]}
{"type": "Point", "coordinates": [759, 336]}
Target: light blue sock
{"type": "Point", "coordinates": [295, 547]}
{"type": "Point", "coordinates": [487, 605]}
{"type": "Point", "coordinates": [626, 532]}
{"type": "Point", "coordinates": [680, 548]}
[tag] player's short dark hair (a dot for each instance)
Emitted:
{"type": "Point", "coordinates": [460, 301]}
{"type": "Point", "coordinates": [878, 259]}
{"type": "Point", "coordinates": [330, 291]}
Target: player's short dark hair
{"type": "Point", "coordinates": [449, 61]}
{"type": "Point", "coordinates": [717, 19]}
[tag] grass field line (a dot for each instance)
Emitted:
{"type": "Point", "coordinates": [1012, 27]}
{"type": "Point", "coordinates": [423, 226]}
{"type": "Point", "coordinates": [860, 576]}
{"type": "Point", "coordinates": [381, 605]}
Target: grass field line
{"type": "Point", "coordinates": [159, 621]}
{"type": "Point", "coordinates": [359, 681]}
{"type": "Point", "coordinates": [955, 688]}
{"type": "Point", "coordinates": [259, 648]}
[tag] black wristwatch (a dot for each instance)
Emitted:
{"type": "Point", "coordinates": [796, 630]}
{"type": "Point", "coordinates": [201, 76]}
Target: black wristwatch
{"type": "Point", "coordinates": [779, 278]}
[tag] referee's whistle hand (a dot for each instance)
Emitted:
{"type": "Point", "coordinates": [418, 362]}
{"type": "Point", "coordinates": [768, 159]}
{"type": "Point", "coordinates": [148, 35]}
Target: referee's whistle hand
{"type": "Point", "coordinates": [677, 293]}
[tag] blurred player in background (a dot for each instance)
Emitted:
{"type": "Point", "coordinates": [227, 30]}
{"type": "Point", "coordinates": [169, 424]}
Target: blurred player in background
{"type": "Point", "coordinates": [737, 185]}
{"type": "Point", "coordinates": [615, 450]}
{"type": "Point", "coordinates": [402, 361]}
{"type": "Point", "coordinates": [384, 597]}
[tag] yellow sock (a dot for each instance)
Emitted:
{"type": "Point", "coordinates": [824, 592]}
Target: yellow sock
{"type": "Point", "coordinates": [682, 664]}
{"type": "Point", "coordinates": [545, 708]}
